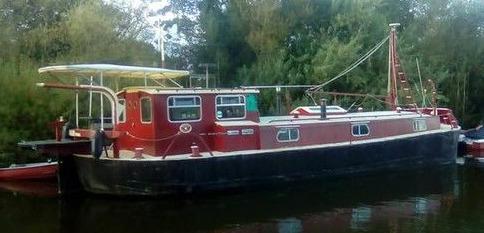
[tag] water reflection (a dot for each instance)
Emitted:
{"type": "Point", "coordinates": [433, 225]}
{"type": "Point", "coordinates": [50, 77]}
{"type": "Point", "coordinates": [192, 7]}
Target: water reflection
{"type": "Point", "coordinates": [31, 188]}
{"type": "Point", "coordinates": [360, 217]}
{"type": "Point", "coordinates": [403, 202]}
{"type": "Point", "coordinates": [289, 225]}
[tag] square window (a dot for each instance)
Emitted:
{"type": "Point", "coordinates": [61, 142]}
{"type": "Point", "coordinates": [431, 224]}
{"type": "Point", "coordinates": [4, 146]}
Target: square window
{"type": "Point", "coordinates": [288, 135]}
{"type": "Point", "coordinates": [184, 108]}
{"type": "Point", "coordinates": [230, 107]}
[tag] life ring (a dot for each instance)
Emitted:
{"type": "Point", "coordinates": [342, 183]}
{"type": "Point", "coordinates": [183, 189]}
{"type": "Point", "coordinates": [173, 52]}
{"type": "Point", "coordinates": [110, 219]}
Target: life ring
{"type": "Point", "coordinates": [185, 128]}
{"type": "Point", "coordinates": [97, 144]}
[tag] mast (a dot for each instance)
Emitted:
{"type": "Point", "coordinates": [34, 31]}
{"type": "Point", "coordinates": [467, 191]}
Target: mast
{"type": "Point", "coordinates": [392, 75]}
{"type": "Point", "coordinates": [397, 75]}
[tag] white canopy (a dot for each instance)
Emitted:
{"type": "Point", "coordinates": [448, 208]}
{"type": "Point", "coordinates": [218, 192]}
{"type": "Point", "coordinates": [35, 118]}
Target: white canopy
{"type": "Point", "coordinates": [109, 70]}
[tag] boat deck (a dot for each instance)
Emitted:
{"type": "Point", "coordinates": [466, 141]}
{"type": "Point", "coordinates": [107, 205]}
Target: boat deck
{"type": "Point", "coordinates": [54, 147]}
{"type": "Point", "coordinates": [50, 142]}
{"type": "Point", "coordinates": [355, 116]}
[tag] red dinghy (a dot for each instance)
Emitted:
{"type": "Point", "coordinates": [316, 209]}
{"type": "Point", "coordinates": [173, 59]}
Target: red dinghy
{"type": "Point", "coordinates": [30, 171]}
{"type": "Point", "coordinates": [474, 145]}
{"type": "Point", "coordinates": [474, 140]}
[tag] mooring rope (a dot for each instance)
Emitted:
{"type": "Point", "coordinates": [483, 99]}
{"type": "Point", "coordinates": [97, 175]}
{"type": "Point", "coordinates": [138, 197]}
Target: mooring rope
{"type": "Point", "coordinates": [152, 140]}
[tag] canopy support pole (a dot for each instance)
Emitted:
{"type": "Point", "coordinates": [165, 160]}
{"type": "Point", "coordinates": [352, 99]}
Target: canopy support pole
{"type": "Point", "coordinates": [77, 104]}
{"type": "Point", "coordinates": [421, 85]}
{"type": "Point", "coordinates": [206, 77]}
{"type": "Point", "coordinates": [102, 102]}
{"type": "Point", "coordinates": [90, 99]}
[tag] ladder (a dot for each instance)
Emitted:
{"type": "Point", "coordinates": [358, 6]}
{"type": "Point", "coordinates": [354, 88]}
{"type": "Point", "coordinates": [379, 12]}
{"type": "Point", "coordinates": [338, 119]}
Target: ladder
{"type": "Point", "coordinates": [398, 76]}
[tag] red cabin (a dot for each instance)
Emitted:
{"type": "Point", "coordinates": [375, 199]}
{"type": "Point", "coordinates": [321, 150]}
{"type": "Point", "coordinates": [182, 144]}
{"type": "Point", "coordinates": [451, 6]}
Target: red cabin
{"type": "Point", "coordinates": [170, 121]}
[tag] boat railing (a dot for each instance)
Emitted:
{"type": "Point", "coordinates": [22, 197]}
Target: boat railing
{"type": "Point", "coordinates": [111, 96]}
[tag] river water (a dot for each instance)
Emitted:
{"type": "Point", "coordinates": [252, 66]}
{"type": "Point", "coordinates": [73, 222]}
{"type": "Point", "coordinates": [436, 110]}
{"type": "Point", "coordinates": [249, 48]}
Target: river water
{"type": "Point", "coordinates": [450, 199]}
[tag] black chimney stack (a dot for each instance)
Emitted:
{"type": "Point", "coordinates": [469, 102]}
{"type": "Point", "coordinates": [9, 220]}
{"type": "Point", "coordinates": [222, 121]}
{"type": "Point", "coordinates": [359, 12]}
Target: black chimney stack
{"type": "Point", "coordinates": [323, 109]}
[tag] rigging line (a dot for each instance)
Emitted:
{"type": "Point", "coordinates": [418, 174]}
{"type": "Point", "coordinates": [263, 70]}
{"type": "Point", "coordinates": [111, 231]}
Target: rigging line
{"type": "Point", "coordinates": [377, 99]}
{"type": "Point", "coordinates": [352, 105]}
{"type": "Point", "coordinates": [361, 102]}
{"type": "Point", "coordinates": [365, 56]}
{"type": "Point", "coordinates": [312, 98]}
{"type": "Point", "coordinates": [352, 66]}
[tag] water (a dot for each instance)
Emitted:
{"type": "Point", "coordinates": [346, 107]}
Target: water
{"type": "Point", "coordinates": [444, 200]}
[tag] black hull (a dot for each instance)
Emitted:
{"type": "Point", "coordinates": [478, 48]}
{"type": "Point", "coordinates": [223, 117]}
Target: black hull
{"type": "Point", "coordinates": [144, 177]}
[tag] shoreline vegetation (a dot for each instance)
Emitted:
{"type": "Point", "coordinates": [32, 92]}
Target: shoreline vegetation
{"type": "Point", "coordinates": [250, 42]}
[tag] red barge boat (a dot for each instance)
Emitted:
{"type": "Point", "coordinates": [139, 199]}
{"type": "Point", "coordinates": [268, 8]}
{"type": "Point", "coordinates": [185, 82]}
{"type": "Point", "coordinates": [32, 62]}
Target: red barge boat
{"type": "Point", "coordinates": [160, 140]}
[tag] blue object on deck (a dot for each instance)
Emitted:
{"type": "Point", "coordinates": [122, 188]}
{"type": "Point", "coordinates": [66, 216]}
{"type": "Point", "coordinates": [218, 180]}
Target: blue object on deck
{"type": "Point", "coordinates": [477, 133]}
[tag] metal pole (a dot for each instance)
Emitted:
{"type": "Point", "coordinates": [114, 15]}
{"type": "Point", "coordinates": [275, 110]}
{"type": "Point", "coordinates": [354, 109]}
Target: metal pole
{"type": "Point", "coordinates": [77, 104]}
{"type": "Point", "coordinates": [278, 96]}
{"type": "Point", "coordinates": [102, 102]}
{"type": "Point", "coordinates": [146, 81]}
{"type": "Point", "coordinates": [389, 86]}
{"type": "Point", "coordinates": [394, 92]}
{"type": "Point", "coordinates": [421, 85]}
{"type": "Point", "coordinates": [161, 43]}
{"type": "Point", "coordinates": [116, 84]}
{"type": "Point", "coordinates": [217, 80]}
{"type": "Point", "coordinates": [206, 76]}
{"type": "Point", "coordinates": [90, 99]}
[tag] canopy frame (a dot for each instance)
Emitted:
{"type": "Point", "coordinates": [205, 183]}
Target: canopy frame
{"type": "Point", "coordinates": [109, 71]}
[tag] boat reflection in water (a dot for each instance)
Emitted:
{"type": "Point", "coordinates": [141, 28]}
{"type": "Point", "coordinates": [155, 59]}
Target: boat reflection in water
{"type": "Point", "coordinates": [381, 202]}
{"type": "Point", "coordinates": [44, 188]}
{"type": "Point", "coordinates": [474, 159]}
{"type": "Point", "coordinates": [319, 206]}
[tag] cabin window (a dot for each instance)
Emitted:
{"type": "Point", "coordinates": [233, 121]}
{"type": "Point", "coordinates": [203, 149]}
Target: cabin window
{"type": "Point", "coordinates": [419, 125]}
{"type": "Point", "coordinates": [145, 107]}
{"type": "Point", "coordinates": [359, 130]}
{"type": "Point", "coordinates": [184, 108]}
{"type": "Point", "coordinates": [230, 107]}
{"type": "Point", "coordinates": [121, 110]}
{"type": "Point", "coordinates": [288, 135]}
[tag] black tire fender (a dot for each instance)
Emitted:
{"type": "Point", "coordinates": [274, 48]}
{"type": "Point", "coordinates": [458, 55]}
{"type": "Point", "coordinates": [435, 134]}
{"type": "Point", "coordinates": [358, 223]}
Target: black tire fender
{"type": "Point", "coordinates": [97, 144]}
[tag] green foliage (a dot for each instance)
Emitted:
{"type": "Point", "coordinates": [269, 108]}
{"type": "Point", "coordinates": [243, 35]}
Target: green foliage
{"type": "Point", "coordinates": [37, 33]}
{"type": "Point", "coordinates": [25, 112]}
{"type": "Point", "coordinates": [257, 42]}
{"type": "Point", "coordinates": [251, 42]}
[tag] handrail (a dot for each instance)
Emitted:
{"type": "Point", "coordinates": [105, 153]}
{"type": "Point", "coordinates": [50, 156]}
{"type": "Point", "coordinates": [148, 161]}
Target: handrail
{"type": "Point", "coordinates": [97, 89]}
